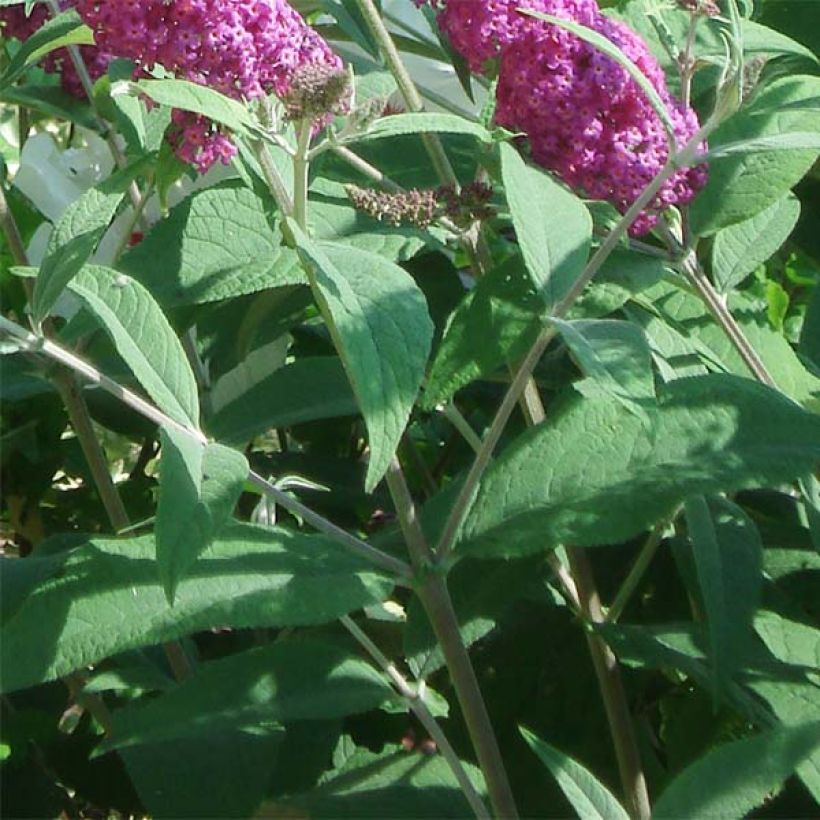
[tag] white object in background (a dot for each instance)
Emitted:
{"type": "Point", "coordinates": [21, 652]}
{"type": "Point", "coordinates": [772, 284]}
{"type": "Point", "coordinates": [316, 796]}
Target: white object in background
{"type": "Point", "coordinates": [52, 179]}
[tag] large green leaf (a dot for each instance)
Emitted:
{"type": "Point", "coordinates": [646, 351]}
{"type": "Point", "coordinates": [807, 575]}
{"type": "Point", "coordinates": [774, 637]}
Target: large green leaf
{"type": "Point", "coordinates": [741, 186]}
{"type": "Point", "coordinates": [311, 388]}
{"type": "Point", "coordinates": [281, 682]}
{"type": "Point", "coordinates": [218, 243]}
{"type": "Point", "coordinates": [198, 489]}
{"type": "Point", "coordinates": [742, 247]}
{"type": "Point", "coordinates": [587, 795]}
{"type": "Point", "coordinates": [553, 226]}
{"type": "Point", "coordinates": [595, 474]}
{"type": "Point", "coordinates": [143, 337]}
{"type": "Point", "coordinates": [728, 558]}
{"type": "Point", "coordinates": [108, 599]}
{"type": "Point", "coordinates": [390, 784]}
{"type": "Point", "coordinates": [382, 331]}
{"type": "Point", "coordinates": [496, 322]}
{"type": "Point", "coordinates": [735, 778]}
{"type": "Point", "coordinates": [422, 123]}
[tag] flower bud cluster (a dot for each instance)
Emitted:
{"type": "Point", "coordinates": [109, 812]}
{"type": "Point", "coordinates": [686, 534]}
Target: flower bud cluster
{"type": "Point", "coordinates": [415, 207]}
{"type": "Point", "coordinates": [245, 49]}
{"type": "Point", "coordinates": [585, 117]}
{"type": "Point", "coordinates": [14, 22]}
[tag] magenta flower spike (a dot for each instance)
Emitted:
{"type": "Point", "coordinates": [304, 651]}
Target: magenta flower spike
{"type": "Point", "coordinates": [585, 117]}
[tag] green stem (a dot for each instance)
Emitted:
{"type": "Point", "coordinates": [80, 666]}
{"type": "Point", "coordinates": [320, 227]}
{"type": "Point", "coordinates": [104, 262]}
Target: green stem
{"type": "Point", "coordinates": [301, 171]}
{"type": "Point", "coordinates": [72, 398]}
{"type": "Point", "coordinates": [407, 87]}
{"type": "Point", "coordinates": [636, 573]}
{"type": "Point", "coordinates": [273, 179]}
{"type": "Point", "coordinates": [435, 598]}
{"type": "Point", "coordinates": [59, 354]}
{"type": "Point", "coordinates": [612, 691]}
{"type": "Point", "coordinates": [421, 711]}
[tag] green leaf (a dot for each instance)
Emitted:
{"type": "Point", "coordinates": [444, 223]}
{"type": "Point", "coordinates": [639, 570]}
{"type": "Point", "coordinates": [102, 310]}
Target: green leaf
{"type": "Point", "coordinates": [311, 388]}
{"type": "Point", "coordinates": [742, 185]}
{"type": "Point", "coordinates": [809, 345]}
{"type": "Point", "coordinates": [616, 359]}
{"type": "Point", "coordinates": [496, 322]}
{"type": "Point", "coordinates": [422, 123]}
{"type": "Point", "coordinates": [735, 778]}
{"type": "Point", "coordinates": [142, 336]}
{"type": "Point", "coordinates": [555, 250]}
{"type": "Point", "coordinates": [389, 784]}
{"type": "Point", "coordinates": [225, 773]}
{"type": "Point", "coordinates": [278, 683]}
{"type": "Point", "coordinates": [587, 795]}
{"type": "Point", "coordinates": [64, 29]}
{"type": "Point", "coordinates": [199, 487]}
{"type": "Point", "coordinates": [571, 480]}
{"type": "Point", "coordinates": [75, 237]}
{"type": "Point", "coordinates": [378, 319]}
{"type": "Point", "coordinates": [107, 599]}
{"type": "Point", "coordinates": [789, 641]}
{"type": "Point", "coordinates": [218, 243]}
{"type": "Point", "coordinates": [728, 558]}
{"type": "Point", "coordinates": [739, 249]}
{"type": "Point", "coordinates": [200, 99]}
{"type": "Point", "coordinates": [797, 18]}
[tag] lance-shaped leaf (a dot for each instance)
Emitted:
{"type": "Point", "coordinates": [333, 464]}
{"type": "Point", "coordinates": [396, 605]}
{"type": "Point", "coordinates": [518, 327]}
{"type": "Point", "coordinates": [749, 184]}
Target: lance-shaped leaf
{"type": "Point", "coordinates": [733, 779]}
{"type": "Point", "coordinates": [596, 474]}
{"type": "Point", "coordinates": [199, 487]}
{"type": "Point", "coordinates": [281, 682]}
{"type": "Point", "coordinates": [143, 337]}
{"type": "Point", "coordinates": [107, 598]}
{"type": "Point", "coordinates": [728, 557]}
{"type": "Point", "coordinates": [378, 319]}
{"type": "Point", "coordinates": [553, 226]}
{"type": "Point", "coordinates": [587, 795]}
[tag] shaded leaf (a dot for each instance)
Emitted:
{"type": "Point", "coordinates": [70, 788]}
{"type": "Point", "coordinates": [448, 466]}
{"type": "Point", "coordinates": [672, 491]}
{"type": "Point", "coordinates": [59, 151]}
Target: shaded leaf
{"type": "Point", "coordinates": [107, 598]}
{"type": "Point", "coordinates": [571, 480]}
{"type": "Point", "coordinates": [587, 795]}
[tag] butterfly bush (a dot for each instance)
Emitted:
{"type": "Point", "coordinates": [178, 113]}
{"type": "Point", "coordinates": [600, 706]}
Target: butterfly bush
{"type": "Point", "coordinates": [243, 48]}
{"type": "Point", "coordinates": [14, 22]}
{"type": "Point", "coordinates": [585, 117]}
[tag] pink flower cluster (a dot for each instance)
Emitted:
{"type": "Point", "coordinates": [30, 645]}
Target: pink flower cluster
{"type": "Point", "coordinates": [585, 117]}
{"type": "Point", "coordinates": [15, 23]}
{"type": "Point", "coordinates": [242, 48]}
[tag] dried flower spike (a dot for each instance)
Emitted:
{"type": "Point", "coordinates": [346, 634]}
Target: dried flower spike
{"type": "Point", "coordinates": [414, 207]}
